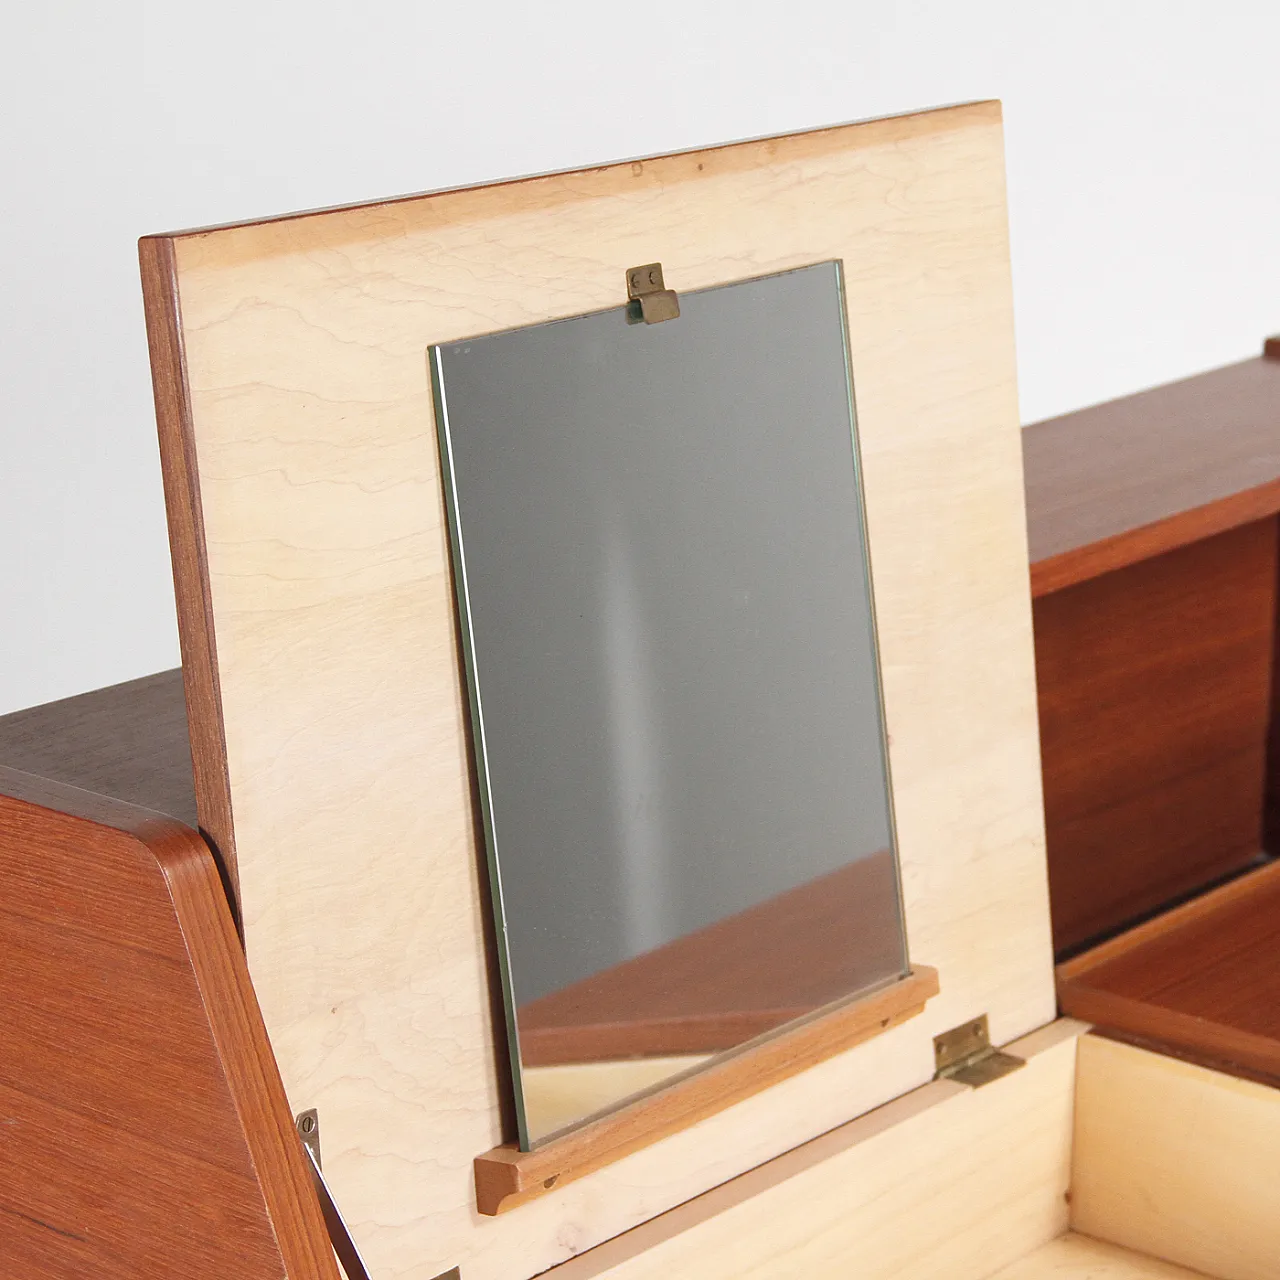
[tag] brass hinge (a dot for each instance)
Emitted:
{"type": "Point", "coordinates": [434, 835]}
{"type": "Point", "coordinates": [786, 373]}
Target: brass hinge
{"type": "Point", "coordinates": [648, 298]}
{"type": "Point", "coordinates": [965, 1054]}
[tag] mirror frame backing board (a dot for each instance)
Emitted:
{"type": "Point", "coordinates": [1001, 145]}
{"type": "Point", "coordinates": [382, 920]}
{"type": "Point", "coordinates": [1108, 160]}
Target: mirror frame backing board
{"type": "Point", "coordinates": [321, 658]}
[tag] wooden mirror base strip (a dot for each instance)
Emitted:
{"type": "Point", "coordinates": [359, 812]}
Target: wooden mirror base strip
{"type": "Point", "coordinates": [506, 1176]}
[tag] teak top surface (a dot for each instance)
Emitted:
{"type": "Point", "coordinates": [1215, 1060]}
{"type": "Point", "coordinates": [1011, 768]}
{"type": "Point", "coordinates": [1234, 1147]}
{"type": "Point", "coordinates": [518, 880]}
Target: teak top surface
{"type": "Point", "coordinates": [1167, 458]}
{"type": "Point", "coordinates": [128, 741]}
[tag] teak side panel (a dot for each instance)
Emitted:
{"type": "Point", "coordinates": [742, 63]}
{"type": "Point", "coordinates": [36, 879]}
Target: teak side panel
{"type": "Point", "coordinates": [947, 1181]}
{"type": "Point", "coordinates": [144, 1127]}
{"type": "Point", "coordinates": [1154, 693]}
{"type": "Point", "coordinates": [311, 423]}
{"type": "Point", "coordinates": [1176, 1161]}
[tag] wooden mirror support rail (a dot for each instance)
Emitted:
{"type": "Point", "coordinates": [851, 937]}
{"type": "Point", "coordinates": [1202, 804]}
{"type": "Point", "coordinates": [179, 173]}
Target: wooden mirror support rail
{"type": "Point", "coordinates": [1153, 532]}
{"type": "Point", "coordinates": [507, 1176]}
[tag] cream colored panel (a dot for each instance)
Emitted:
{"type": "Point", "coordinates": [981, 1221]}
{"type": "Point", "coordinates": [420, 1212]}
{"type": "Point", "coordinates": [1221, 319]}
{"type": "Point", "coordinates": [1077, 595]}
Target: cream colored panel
{"type": "Point", "coordinates": [332, 612]}
{"type": "Point", "coordinates": [1177, 1161]}
{"type": "Point", "coordinates": [1076, 1257]}
{"type": "Point", "coordinates": [947, 1181]}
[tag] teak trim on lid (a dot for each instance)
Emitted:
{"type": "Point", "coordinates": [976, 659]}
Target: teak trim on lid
{"type": "Point", "coordinates": [188, 552]}
{"type": "Point", "coordinates": [506, 1177]}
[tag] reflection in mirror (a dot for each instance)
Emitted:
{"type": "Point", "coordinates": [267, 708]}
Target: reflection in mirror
{"type": "Point", "coordinates": [662, 578]}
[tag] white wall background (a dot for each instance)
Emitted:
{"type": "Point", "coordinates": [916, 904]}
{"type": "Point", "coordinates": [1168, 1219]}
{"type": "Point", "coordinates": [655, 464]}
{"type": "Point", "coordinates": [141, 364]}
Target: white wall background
{"type": "Point", "coordinates": [1143, 143]}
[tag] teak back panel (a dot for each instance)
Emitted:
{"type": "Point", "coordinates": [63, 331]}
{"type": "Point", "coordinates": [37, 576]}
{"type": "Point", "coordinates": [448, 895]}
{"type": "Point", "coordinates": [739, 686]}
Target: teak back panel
{"type": "Point", "coordinates": [1153, 539]}
{"type": "Point", "coordinates": [1155, 692]}
{"type": "Point", "coordinates": [143, 1128]}
{"type": "Point", "coordinates": [299, 444]}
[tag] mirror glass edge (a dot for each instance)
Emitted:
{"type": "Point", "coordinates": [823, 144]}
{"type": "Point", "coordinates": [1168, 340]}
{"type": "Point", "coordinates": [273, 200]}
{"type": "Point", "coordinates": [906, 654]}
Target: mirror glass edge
{"type": "Point", "coordinates": [477, 766]}
{"type": "Point", "coordinates": [868, 576]}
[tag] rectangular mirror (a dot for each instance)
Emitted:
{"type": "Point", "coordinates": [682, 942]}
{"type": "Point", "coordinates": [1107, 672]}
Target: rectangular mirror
{"type": "Point", "coordinates": [661, 569]}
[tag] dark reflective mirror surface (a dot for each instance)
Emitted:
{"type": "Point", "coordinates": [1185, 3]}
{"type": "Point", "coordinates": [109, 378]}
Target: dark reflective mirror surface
{"type": "Point", "coordinates": [662, 578]}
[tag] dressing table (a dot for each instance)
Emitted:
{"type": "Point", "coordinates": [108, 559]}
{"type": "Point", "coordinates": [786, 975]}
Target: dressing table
{"type": "Point", "coordinates": [323, 954]}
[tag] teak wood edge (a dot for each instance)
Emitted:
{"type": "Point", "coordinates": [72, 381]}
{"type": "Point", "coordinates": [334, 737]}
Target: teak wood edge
{"type": "Point", "coordinates": [1194, 525]}
{"type": "Point", "coordinates": [506, 1177]}
{"type": "Point", "coordinates": [162, 307]}
{"type": "Point", "coordinates": [1222, 416]}
{"type": "Point", "coordinates": [226, 992]}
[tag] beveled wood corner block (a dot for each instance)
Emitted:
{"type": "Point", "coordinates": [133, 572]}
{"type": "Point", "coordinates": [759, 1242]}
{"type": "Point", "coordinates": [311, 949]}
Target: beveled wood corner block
{"type": "Point", "coordinates": [506, 1176]}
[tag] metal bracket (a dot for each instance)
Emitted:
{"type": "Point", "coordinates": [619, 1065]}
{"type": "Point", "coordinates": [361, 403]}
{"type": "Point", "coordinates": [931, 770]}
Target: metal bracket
{"type": "Point", "coordinates": [648, 298]}
{"type": "Point", "coordinates": [965, 1054]}
{"type": "Point", "coordinates": [308, 1126]}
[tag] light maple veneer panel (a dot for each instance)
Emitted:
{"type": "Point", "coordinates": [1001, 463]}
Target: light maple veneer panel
{"type": "Point", "coordinates": [1178, 1161]}
{"type": "Point", "coordinates": [947, 1181]}
{"type": "Point", "coordinates": [347, 766]}
{"type": "Point", "coordinates": [1077, 1257]}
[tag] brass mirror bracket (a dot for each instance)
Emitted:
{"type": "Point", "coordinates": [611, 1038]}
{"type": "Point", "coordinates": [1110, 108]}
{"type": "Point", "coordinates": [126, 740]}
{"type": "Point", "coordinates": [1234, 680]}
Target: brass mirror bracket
{"type": "Point", "coordinates": [965, 1054]}
{"type": "Point", "coordinates": [648, 298]}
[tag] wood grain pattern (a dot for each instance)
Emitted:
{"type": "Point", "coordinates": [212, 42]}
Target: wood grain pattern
{"type": "Point", "coordinates": [128, 741]}
{"type": "Point", "coordinates": [1154, 693]}
{"type": "Point", "coordinates": [507, 1176]}
{"type": "Point", "coordinates": [946, 1181]}
{"type": "Point", "coordinates": [1176, 1161]}
{"type": "Point", "coordinates": [1202, 979]}
{"type": "Point", "coordinates": [348, 769]}
{"type": "Point", "coordinates": [731, 981]}
{"type": "Point", "coordinates": [143, 1126]}
{"type": "Point", "coordinates": [182, 498]}
{"type": "Point", "coordinates": [1076, 1257]}
{"type": "Point", "coordinates": [1271, 799]}
{"type": "Point", "coordinates": [1138, 476]}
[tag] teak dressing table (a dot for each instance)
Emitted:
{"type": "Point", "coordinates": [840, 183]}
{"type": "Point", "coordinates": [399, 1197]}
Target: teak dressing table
{"type": "Point", "coordinates": [164, 1142]}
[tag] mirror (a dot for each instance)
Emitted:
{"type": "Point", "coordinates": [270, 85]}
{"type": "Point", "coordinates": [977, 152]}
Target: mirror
{"type": "Point", "coordinates": [662, 579]}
